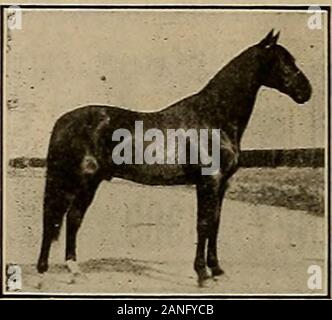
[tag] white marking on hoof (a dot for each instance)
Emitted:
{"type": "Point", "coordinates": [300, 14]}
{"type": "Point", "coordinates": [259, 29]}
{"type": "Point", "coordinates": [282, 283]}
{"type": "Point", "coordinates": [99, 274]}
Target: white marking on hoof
{"type": "Point", "coordinates": [76, 275]}
{"type": "Point", "coordinates": [73, 267]}
{"type": "Point", "coordinates": [40, 281]}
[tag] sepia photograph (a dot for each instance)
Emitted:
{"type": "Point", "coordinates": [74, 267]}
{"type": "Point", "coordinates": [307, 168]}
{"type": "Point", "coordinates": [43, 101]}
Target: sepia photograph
{"type": "Point", "coordinates": [165, 151]}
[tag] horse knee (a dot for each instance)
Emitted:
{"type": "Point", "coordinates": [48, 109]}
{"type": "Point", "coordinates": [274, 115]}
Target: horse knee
{"type": "Point", "coordinates": [200, 267]}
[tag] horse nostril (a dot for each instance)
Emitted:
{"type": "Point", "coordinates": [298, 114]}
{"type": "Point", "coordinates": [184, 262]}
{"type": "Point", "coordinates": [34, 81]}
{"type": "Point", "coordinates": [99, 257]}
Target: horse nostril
{"type": "Point", "coordinates": [303, 93]}
{"type": "Point", "coordinates": [302, 98]}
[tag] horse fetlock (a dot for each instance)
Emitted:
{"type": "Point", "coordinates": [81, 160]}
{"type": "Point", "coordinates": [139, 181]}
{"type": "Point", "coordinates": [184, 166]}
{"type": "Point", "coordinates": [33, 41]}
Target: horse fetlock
{"type": "Point", "coordinates": [212, 261]}
{"type": "Point", "coordinates": [200, 268]}
{"type": "Point", "coordinates": [213, 264]}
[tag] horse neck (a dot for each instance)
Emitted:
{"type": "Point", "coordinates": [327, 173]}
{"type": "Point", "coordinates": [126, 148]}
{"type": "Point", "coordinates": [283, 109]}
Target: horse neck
{"type": "Point", "coordinates": [230, 96]}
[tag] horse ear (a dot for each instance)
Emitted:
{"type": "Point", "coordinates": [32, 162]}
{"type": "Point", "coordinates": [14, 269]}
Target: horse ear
{"type": "Point", "coordinates": [276, 37]}
{"type": "Point", "coordinates": [269, 40]}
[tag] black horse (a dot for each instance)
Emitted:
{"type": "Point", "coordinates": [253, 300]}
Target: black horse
{"type": "Point", "coordinates": [80, 149]}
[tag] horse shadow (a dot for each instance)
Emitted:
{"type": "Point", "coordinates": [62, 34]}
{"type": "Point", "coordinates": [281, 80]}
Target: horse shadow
{"type": "Point", "coordinates": [156, 270]}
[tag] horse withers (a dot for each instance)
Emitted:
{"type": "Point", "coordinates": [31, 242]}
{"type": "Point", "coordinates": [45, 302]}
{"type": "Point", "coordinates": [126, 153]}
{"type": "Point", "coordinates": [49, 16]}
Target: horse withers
{"type": "Point", "coordinates": [81, 145]}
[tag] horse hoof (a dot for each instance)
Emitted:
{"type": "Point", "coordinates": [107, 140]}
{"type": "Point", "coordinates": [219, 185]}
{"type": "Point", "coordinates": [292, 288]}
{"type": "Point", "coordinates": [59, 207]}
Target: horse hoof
{"type": "Point", "coordinates": [202, 277]}
{"type": "Point", "coordinates": [217, 271]}
{"type": "Point", "coordinates": [40, 284]}
{"type": "Point", "coordinates": [202, 283]}
{"type": "Point", "coordinates": [73, 267]}
{"type": "Point", "coordinates": [77, 278]}
{"type": "Point", "coordinates": [41, 281]}
{"type": "Point", "coordinates": [42, 267]}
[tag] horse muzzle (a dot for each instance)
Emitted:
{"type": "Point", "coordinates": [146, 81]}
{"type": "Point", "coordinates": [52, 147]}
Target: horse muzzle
{"type": "Point", "coordinates": [303, 95]}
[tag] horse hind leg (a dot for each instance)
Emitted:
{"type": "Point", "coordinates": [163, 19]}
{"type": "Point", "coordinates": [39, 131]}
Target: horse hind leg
{"type": "Point", "coordinates": [56, 203]}
{"type": "Point", "coordinates": [80, 204]}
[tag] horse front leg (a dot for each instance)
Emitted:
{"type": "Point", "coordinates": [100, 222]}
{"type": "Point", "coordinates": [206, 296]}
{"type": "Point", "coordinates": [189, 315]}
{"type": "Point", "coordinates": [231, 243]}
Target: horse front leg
{"type": "Point", "coordinates": [212, 255]}
{"type": "Point", "coordinates": [208, 211]}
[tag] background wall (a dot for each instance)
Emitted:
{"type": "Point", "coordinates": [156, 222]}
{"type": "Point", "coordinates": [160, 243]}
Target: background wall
{"type": "Point", "coordinates": [146, 60]}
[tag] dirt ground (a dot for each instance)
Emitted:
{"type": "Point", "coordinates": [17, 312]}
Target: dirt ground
{"type": "Point", "coordinates": [139, 239]}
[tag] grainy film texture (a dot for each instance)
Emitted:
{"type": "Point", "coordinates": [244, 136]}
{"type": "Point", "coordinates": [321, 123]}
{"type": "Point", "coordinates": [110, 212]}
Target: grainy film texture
{"type": "Point", "coordinates": [257, 77]}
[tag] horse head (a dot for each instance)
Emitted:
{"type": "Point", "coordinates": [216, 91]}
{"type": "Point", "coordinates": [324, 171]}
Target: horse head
{"type": "Point", "coordinates": [280, 70]}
